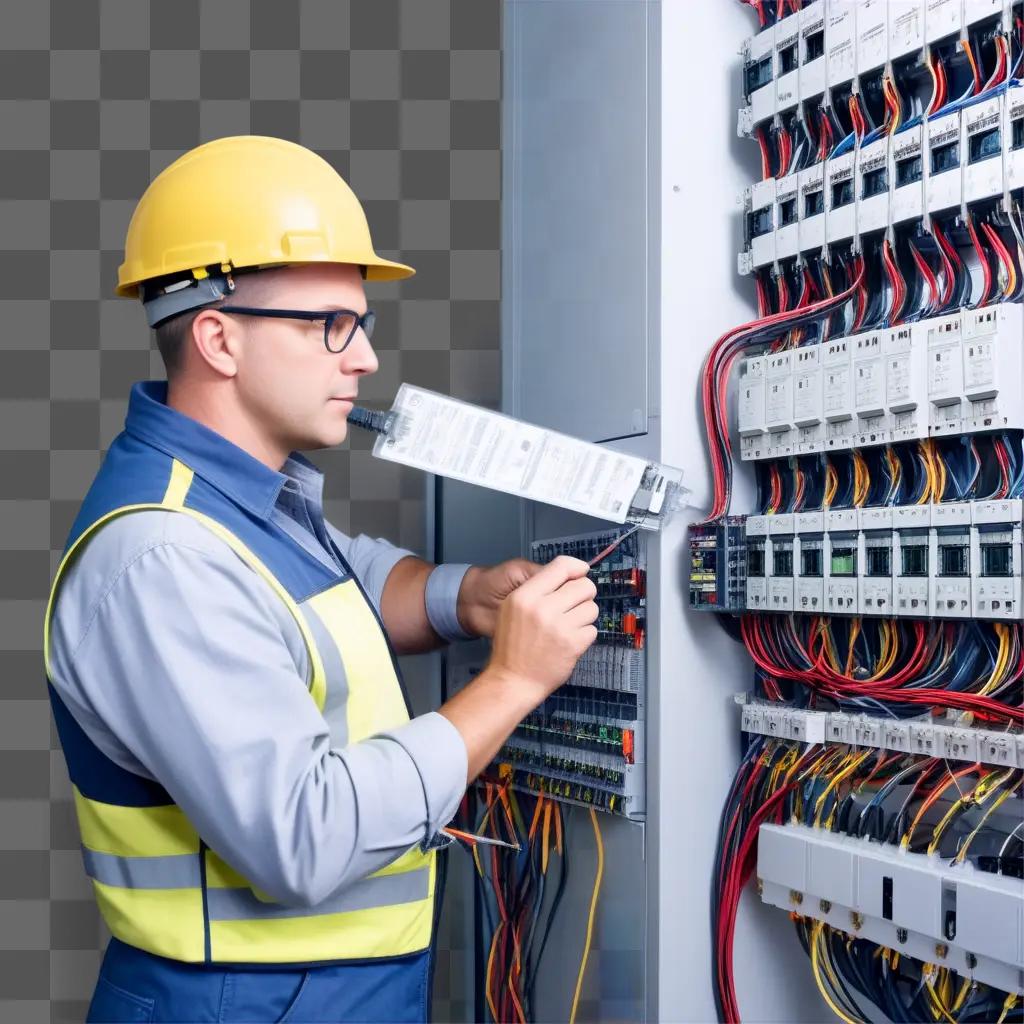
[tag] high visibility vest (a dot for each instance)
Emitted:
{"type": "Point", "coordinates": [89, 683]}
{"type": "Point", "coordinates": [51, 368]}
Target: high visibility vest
{"type": "Point", "coordinates": [158, 886]}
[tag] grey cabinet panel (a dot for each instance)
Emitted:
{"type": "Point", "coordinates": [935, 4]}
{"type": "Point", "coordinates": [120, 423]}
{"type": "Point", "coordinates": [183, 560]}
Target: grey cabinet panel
{"type": "Point", "coordinates": [576, 215]}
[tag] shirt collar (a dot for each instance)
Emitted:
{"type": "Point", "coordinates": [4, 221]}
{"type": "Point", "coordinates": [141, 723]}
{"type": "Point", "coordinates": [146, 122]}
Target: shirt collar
{"type": "Point", "coordinates": [232, 470]}
{"type": "Point", "coordinates": [309, 479]}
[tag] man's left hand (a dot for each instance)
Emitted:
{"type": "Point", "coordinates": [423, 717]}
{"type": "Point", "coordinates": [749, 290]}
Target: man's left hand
{"type": "Point", "coordinates": [485, 587]}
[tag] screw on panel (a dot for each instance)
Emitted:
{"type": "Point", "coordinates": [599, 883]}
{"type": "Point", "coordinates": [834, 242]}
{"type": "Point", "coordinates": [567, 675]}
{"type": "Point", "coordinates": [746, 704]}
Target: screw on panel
{"type": "Point", "coordinates": [901, 934]}
{"type": "Point", "coordinates": [825, 906]}
{"type": "Point", "coordinates": [857, 920]}
{"type": "Point", "coordinates": [796, 897]}
{"type": "Point", "coordinates": [941, 950]}
{"type": "Point", "coordinates": [760, 887]}
{"type": "Point", "coordinates": [972, 961]}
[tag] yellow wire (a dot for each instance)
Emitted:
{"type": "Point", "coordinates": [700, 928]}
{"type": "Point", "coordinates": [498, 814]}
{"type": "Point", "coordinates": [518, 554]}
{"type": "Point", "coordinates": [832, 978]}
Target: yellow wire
{"type": "Point", "coordinates": [490, 967]}
{"type": "Point", "coordinates": [850, 653]}
{"type": "Point", "coordinates": [961, 998]}
{"type": "Point", "coordinates": [890, 650]}
{"type": "Point", "coordinates": [1009, 1003]}
{"type": "Point", "coordinates": [1005, 795]}
{"type": "Point", "coordinates": [1002, 659]}
{"type": "Point", "coordinates": [942, 1012]}
{"type": "Point", "coordinates": [940, 468]}
{"type": "Point", "coordinates": [843, 774]}
{"type": "Point", "coordinates": [895, 467]}
{"type": "Point", "coordinates": [963, 801]}
{"type": "Point", "coordinates": [816, 968]}
{"type": "Point", "coordinates": [831, 484]}
{"type": "Point", "coordinates": [861, 479]}
{"type": "Point", "coordinates": [954, 780]}
{"type": "Point", "coordinates": [593, 911]}
{"type": "Point", "coordinates": [926, 456]}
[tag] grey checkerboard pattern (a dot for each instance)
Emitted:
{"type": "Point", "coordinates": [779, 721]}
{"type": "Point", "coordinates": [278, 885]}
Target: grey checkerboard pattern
{"type": "Point", "coordinates": [96, 97]}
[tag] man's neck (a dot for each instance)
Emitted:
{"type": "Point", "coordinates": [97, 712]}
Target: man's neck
{"type": "Point", "coordinates": [197, 403]}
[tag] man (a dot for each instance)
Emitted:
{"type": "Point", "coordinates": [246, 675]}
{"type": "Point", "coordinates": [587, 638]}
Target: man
{"type": "Point", "coordinates": [259, 815]}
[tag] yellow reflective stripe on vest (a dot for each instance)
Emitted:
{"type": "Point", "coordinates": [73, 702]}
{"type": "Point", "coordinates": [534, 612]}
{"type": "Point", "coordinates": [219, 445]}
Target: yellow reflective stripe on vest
{"type": "Point", "coordinates": [161, 831]}
{"type": "Point", "coordinates": [173, 500]}
{"type": "Point", "coordinates": [167, 922]}
{"type": "Point", "coordinates": [353, 627]}
{"type": "Point", "coordinates": [352, 934]}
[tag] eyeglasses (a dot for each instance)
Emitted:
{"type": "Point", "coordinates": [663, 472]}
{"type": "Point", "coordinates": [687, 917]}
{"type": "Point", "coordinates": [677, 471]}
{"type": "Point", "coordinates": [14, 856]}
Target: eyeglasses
{"type": "Point", "coordinates": [340, 325]}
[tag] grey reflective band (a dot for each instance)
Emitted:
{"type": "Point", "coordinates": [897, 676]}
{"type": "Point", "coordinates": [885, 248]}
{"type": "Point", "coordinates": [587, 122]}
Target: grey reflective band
{"type": "Point", "coordinates": [182, 296]}
{"type": "Point", "coordinates": [176, 871]}
{"type": "Point", "coordinates": [366, 894]}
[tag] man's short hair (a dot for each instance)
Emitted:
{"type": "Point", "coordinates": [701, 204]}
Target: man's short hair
{"type": "Point", "coordinates": [172, 336]}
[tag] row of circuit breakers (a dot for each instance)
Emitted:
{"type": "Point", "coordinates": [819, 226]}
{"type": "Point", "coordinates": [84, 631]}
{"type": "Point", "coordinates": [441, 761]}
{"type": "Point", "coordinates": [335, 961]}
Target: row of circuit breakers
{"type": "Point", "coordinates": [585, 743]}
{"type": "Point", "coordinates": [969, 154]}
{"type": "Point", "coordinates": [957, 374]}
{"type": "Point", "coordinates": [957, 560]}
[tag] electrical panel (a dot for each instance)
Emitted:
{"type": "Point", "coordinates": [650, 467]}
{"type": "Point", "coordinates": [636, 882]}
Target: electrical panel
{"type": "Point", "coordinates": [880, 418]}
{"type": "Point", "coordinates": [585, 743]}
{"type": "Point", "coordinates": [957, 374]}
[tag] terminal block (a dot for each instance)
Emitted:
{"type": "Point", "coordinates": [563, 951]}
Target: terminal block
{"type": "Point", "coordinates": [951, 740]}
{"type": "Point", "coordinates": [585, 743]}
{"type": "Point", "coordinates": [718, 566]}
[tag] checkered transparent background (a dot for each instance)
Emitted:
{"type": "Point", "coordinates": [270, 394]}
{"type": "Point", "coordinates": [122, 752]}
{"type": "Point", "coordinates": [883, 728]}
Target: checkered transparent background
{"type": "Point", "coordinates": [96, 97]}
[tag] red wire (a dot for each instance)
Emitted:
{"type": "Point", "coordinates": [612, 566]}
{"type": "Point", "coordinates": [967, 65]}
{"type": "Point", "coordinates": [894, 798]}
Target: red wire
{"type": "Point", "coordinates": [1004, 467]}
{"type": "Point", "coordinates": [785, 151]}
{"type": "Point", "coordinates": [1000, 247]}
{"type": "Point", "coordinates": [714, 411]}
{"type": "Point", "coordinates": [766, 171]}
{"type": "Point", "coordinates": [983, 260]}
{"type": "Point", "coordinates": [825, 144]}
{"type": "Point", "coordinates": [896, 280]}
{"type": "Point", "coordinates": [948, 272]}
{"type": "Point", "coordinates": [929, 277]}
{"type": "Point", "coordinates": [891, 689]}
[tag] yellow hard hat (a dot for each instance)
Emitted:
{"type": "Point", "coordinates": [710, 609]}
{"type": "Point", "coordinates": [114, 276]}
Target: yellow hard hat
{"type": "Point", "coordinates": [242, 202]}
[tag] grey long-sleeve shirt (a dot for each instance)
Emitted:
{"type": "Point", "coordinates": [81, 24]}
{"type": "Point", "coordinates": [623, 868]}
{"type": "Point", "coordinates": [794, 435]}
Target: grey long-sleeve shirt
{"type": "Point", "coordinates": [183, 666]}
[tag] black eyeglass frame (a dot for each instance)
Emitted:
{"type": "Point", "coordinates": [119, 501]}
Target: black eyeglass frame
{"type": "Point", "coordinates": [364, 320]}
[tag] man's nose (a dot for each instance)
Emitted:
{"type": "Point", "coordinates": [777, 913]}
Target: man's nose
{"type": "Point", "coordinates": [359, 357]}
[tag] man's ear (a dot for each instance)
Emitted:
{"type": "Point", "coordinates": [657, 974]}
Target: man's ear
{"type": "Point", "coordinates": [216, 341]}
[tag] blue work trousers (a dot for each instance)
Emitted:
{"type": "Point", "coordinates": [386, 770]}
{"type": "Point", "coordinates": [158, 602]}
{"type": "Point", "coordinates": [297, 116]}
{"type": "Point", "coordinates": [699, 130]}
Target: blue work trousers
{"type": "Point", "coordinates": [137, 986]}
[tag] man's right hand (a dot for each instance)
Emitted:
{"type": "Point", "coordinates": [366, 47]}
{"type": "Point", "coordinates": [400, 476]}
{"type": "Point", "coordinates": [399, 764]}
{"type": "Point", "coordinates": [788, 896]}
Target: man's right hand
{"type": "Point", "coordinates": [544, 626]}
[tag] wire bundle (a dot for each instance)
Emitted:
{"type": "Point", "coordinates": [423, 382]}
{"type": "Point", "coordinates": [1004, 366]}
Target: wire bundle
{"type": "Point", "coordinates": [894, 668]}
{"type": "Point", "coordinates": [920, 804]}
{"type": "Point", "coordinates": [520, 892]}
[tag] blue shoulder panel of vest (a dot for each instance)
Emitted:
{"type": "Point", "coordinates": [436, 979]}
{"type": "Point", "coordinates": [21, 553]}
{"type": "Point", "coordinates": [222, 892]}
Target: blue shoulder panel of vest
{"type": "Point", "coordinates": [96, 775]}
{"type": "Point", "coordinates": [135, 472]}
{"type": "Point", "coordinates": [301, 574]}
{"type": "Point", "coordinates": [132, 473]}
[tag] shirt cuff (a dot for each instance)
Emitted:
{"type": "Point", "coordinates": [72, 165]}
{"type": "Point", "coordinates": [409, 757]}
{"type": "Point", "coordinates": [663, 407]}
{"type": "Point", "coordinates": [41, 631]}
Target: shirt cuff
{"type": "Point", "coordinates": [441, 597]}
{"type": "Point", "coordinates": [438, 751]}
